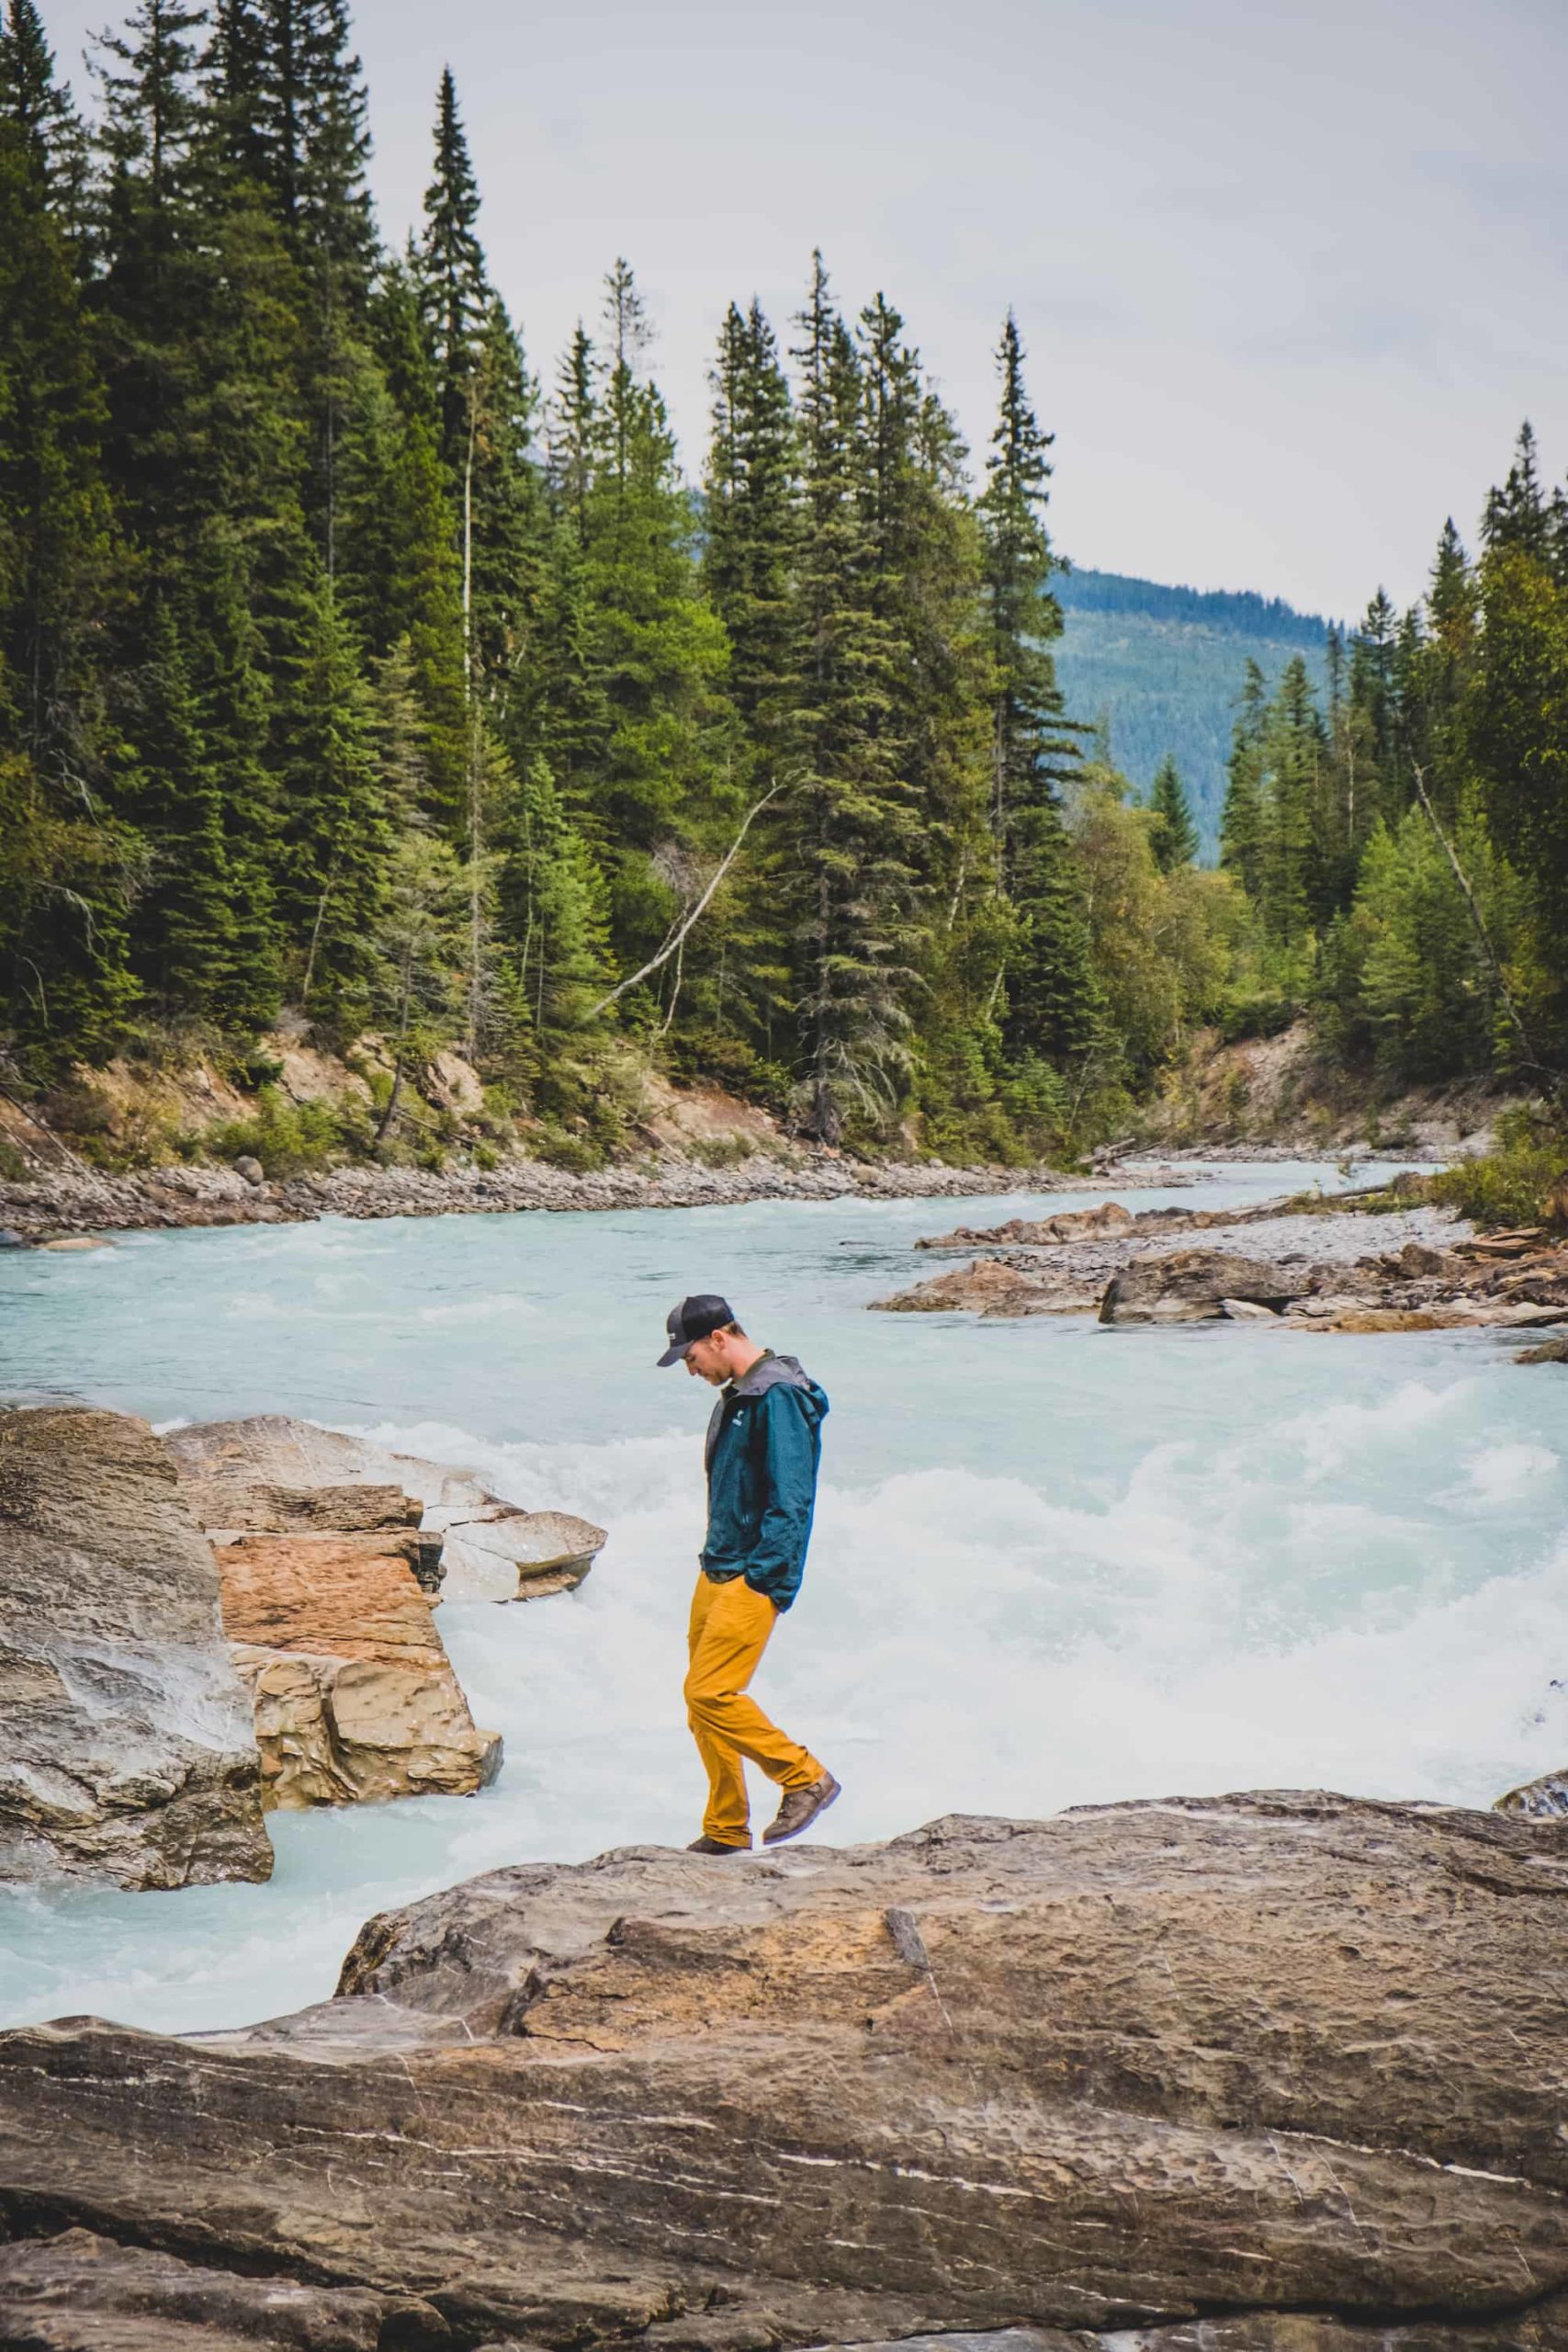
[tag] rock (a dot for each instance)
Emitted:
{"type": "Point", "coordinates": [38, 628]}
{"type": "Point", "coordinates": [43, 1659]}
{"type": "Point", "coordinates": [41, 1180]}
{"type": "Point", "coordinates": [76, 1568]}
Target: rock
{"type": "Point", "coordinates": [1246, 1310]}
{"type": "Point", "coordinates": [1542, 1800]}
{"type": "Point", "coordinates": [991, 1287]}
{"type": "Point", "coordinates": [1416, 1257]}
{"type": "Point", "coordinates": [1071, 1225]}
{"type": "Point", "coordinates": [129, 1754]}
{"type": "Point", "coordinates": [1450, 1314]}
{"type": "Point", "coordinates": [249, 1168]}
{"type": "Point", "coordinates": [232, 1504]}
{"type": "Point", "coordinates": [78, 2292]}
{"type": "Point", "coordinates": [10, 1239]}
{"type": "Point", "coordinates": [492, 1550]}
{"type": "Point", "coordinates": [1176, 2075]}
{"type": "Point", "coordinates": [1191, 1287]}
{"type": "Point", "coordinates": [355, 1695]}
{"type": "Point", "coordinates": [1548, 1352]}
{"type": "Point", "coordinates": [75, 1241]}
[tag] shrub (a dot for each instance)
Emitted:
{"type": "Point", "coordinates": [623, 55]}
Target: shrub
{"type": "Point", "coordinates": [1511, 1183]}
{"type": "Point", "coordinates": [288, 1138]}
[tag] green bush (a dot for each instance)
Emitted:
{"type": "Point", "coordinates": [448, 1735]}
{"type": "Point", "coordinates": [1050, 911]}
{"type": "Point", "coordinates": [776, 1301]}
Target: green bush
{"type": "Point", "coordinates": [289, 1138]}
{"type": "Point", "coordinates": [1510, 1185]}
{"type": "Point", "coordinates": [14, 1169]}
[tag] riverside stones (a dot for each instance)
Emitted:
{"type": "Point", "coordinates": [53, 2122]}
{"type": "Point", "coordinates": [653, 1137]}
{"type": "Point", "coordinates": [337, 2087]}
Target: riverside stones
{"type": "Point", "coordinates": [1140, 2078]}
{"type": "Point", "coordinates": [129, 1753]}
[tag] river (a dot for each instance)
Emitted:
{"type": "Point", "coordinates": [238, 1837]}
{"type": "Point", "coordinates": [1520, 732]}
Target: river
{"type": "Point", "coordinates": [1054, 1564]}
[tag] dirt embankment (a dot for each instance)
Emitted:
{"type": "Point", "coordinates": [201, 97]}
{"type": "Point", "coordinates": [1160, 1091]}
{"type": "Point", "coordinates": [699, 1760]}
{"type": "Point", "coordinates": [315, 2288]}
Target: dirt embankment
{"type": "Point", "coordinates": [133, 1146]}
{"type": "Point", "coordinates": [1281, 1097]}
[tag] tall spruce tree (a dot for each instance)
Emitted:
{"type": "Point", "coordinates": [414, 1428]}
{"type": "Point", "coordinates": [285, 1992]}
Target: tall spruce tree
{"type": "Point", "coordinates": [1050, 990]}
{"type": "Point", "coordinates": [68, 861]}
{"type": "Point", "coordinates": [1175, 835]}
{"type": "Point", "coordinates": [855, 855]}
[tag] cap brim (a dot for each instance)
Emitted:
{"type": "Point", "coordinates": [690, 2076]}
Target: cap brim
{"type": "Point", "coordinates": [672, 1355]}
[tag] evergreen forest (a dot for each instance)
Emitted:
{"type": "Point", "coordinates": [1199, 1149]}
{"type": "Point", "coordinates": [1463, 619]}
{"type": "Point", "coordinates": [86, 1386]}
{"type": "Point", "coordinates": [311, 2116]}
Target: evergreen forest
{"type": "Point", "coordinates": [361, 666]}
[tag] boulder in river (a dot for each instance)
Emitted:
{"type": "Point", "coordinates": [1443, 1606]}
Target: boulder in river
{"type": "Point", "coordinates": [1194, 1286]}
{"type": "Point", "coordinates": [492, 1550]}
{"type": "Point", "coordinates": [1141, 2078]}
{"type": "Point", "coordinates": [1108, 1220]}
{"type": "Point", "coordinates": [993, 1287]}
{"type": "Point", "coordinates": [128, 1754]}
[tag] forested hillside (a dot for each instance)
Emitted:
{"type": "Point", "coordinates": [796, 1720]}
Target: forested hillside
{"type": "Point", "coordinates": [1163, 668]}
{"type": "Point", "coordinates": [355, 661]}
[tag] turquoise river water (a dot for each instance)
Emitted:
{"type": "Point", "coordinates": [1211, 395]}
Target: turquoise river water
{"type": "Point", "coordinates": [1054, 1564]}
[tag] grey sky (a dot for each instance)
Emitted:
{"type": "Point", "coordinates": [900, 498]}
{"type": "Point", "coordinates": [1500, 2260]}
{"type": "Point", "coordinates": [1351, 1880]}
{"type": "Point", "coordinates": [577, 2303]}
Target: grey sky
{"type": "Point", "coordinates": [1287, 279]}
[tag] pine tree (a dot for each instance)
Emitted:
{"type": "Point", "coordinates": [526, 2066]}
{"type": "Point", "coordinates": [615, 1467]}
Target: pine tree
{"type": "Point", "coordinates": [556, 910]}
{"type": "Point", "coordinates": [1242, 822]}
{"type": "Point", "coordinates": [337, 831]}
{"type": "Point", "coordinates": [1049, 986]}
{"type": "Point", "coordinates": [68, 861]}
{"type": "Point", "coordinates": [752, 516]}
{"type": "Point", "coordinates": [656, 650]}
{"type": "Point", "coordinates": [855, 855]}
{"type": "Point", "coordinates": [41, 106]}
{"type": "Point", "coordinates": [1175, 835]}
{"type": "Point", "coordinates": [1518, 516]}
{"type": "Point", "coordinates": [184, 929]}
{"type": "Point", "coordinates": [455, 289]}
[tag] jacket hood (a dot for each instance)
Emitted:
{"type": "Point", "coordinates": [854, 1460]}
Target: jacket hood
{"type": "Point", "coordinates": [768, 1372]}
{"type": "Point", "coordinates": [775, 1372]}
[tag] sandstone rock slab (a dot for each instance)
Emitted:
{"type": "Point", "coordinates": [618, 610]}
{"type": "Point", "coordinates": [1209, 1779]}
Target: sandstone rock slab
{"type": "Point", "coordinates": [128, 1754]}
{"type": "Point", "coordinates": [1210, 2076]}
{"type": "Point", "coordinates": [353, 1694]}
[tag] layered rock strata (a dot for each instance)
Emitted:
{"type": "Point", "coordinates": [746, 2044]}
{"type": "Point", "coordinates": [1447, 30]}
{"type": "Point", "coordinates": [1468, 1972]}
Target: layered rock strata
{"type": "Point", "coordinates": [328, 1584]}
{"type": "Point", "coordinates": [355, 1695]}
{"type": "Point", "coordinates": [1265, 2073]}
{"type": "Point", "coordinates": [128, 1752]}
{"type": "Point", "coordinates": [299, 1473]}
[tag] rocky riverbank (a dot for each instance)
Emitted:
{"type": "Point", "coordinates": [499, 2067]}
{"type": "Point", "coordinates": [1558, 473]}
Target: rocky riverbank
{"type": "Point", "coordinates": [71, 1203]}
{"type": "Point", "coordinates": [1305, 1267]}
{"type": "Point", "coordinates": [1263, 2073]}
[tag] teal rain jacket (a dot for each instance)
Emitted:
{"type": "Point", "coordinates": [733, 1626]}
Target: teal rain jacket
{"type": "Point", "coordinates": [764, 1444]}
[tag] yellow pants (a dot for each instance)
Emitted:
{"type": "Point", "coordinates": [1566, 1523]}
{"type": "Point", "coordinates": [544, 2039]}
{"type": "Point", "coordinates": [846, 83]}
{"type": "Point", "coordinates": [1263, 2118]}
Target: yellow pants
{"type": "Point", "coordinates": [729, 1629]}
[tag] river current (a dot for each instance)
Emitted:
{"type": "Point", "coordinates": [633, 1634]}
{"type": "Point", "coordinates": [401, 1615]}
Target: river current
{"type": "Point", "coordinates": [1054, 1564]}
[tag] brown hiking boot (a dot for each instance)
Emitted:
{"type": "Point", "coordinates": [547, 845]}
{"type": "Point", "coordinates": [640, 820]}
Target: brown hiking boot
{"type": "Point", "coordinates": [714, 1846]}
{"type": "Point", "coordinates": [800, 1809]}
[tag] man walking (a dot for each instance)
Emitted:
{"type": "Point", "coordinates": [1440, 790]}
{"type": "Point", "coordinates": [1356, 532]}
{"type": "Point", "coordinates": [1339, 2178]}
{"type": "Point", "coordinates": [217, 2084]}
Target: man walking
{"type": "Point", "coordinates": [764, 1444]}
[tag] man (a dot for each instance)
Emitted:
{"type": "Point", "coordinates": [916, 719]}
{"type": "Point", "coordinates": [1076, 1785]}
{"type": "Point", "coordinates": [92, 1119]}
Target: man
{"type": "Point", "coordinates": [764, 1444]}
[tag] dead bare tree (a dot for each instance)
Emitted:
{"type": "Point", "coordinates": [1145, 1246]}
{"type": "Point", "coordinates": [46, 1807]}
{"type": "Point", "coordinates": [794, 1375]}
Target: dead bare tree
{"type": "Point", "coordinates": [676, 936]}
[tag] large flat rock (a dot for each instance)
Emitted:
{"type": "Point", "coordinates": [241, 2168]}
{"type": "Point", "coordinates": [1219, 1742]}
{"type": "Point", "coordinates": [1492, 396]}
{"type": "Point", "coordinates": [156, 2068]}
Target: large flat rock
{"type": "Point", "coordinates": [1267, 2073]}
{"type": "Point", "coordinates": [127, 1753]}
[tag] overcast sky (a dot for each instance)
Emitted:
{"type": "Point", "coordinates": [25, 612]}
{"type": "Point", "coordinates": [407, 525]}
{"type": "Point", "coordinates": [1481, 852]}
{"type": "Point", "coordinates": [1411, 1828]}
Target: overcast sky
{"type": "Point", "coordinates": [1287, 279]}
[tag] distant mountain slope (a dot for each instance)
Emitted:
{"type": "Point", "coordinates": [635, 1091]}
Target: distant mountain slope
{"type": "Point", "coordinates": [1164, 666]}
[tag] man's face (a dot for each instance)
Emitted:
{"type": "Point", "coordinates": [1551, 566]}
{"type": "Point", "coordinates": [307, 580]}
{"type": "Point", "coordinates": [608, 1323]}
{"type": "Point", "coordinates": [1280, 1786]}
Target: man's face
{"type": "Point", "coordinates": [708, 1360]}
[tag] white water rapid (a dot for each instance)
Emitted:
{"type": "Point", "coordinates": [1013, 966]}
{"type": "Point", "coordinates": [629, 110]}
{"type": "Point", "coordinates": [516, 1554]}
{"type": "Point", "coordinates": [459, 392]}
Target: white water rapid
{"type": "Point", "coordinates": [1054, 1564]}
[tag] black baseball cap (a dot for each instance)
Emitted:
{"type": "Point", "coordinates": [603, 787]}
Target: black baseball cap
{"type": "Point", "coordinates": [694, 1319]}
